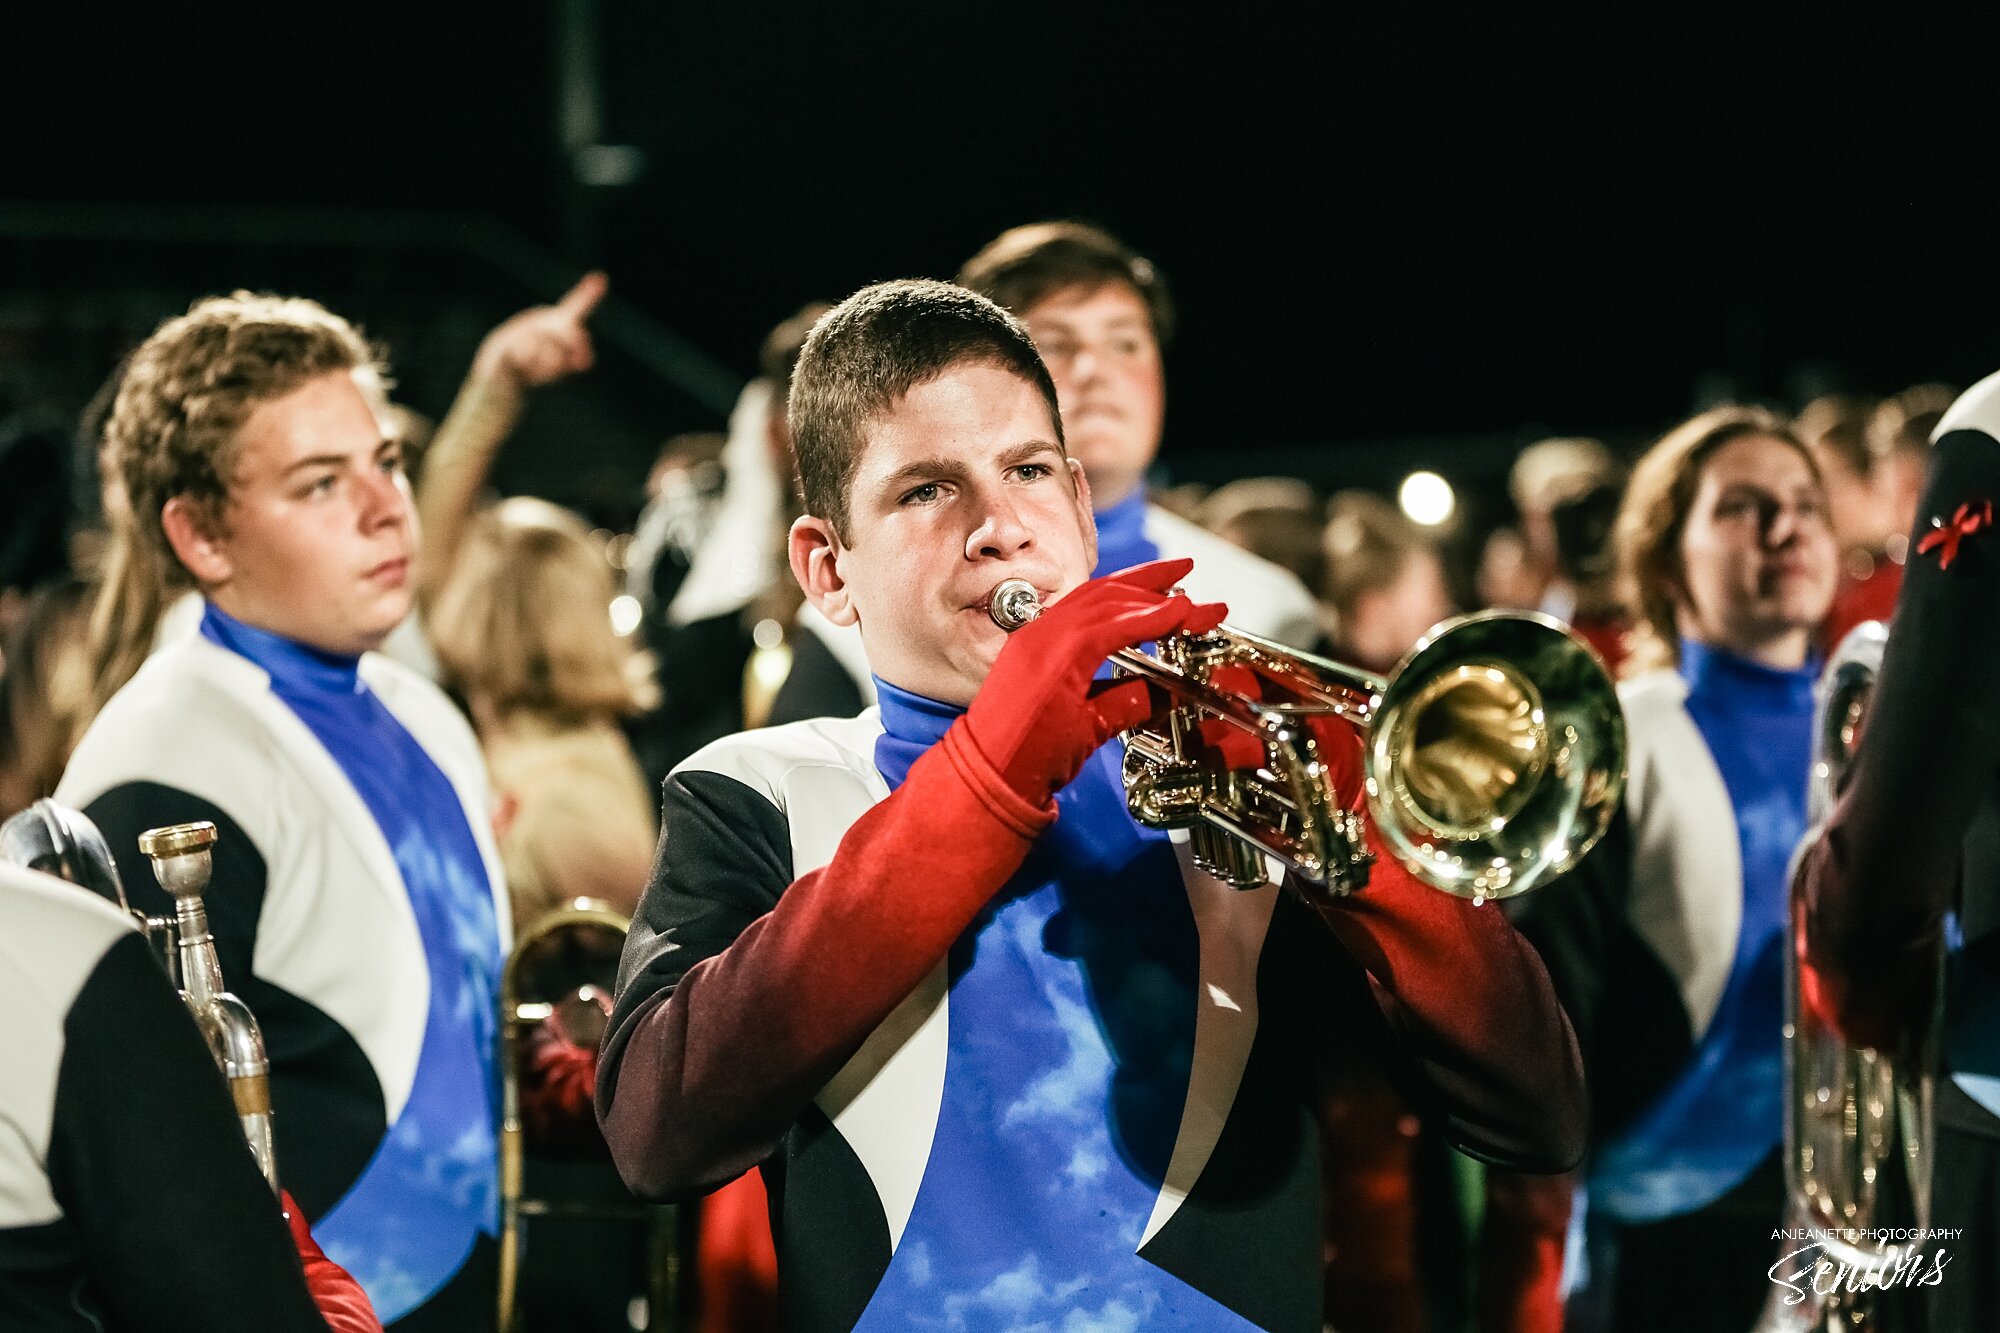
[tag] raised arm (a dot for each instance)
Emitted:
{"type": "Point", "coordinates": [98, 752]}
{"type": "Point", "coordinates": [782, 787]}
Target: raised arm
{"type": "Point", "coordinates": [526, 352]}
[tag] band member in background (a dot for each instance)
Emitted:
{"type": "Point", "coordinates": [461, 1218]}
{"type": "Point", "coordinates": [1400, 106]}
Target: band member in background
{"type": "Point", "coordinates": [1835, 427]}
{"type": "Point", "coordinates": [1906, 872]}
{"type": "Point", "coordinates": [1667, 943]}
{"type": "Point", "coordinates": [356, 903]}
{"type": "Point", "coordinates": [1001, 1053]}
{"type": "Point", "coordinates": [128, 1199]}
{"type": "Point", "coordinates": [1101, 318]}
{"type": "Point", "coordinates": [1897, 439]}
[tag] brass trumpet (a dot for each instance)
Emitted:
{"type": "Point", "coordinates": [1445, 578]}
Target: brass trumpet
{"type": "Point", "coordinates": [1494, 756]}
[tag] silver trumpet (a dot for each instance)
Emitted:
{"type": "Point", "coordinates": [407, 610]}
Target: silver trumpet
{"type": "Point", "coordinates": [181, 859]}
{"type": "Point", "coordinates": [1494, 756]}
{"type": "Point", "coordinates": [1857, 1121]}
{"type": "Point", "coordinates": [59, 841]}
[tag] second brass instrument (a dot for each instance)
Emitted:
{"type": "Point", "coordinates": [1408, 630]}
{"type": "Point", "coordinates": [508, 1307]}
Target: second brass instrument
{"type": "Point", "coordinates": [1857, 1121]}
{"type": "Point", "coordinates": [59, 841]}
{"type": "Point", "coordinates": [180, 854]}
{"type": "Point", "coordinates": [1494, 756]}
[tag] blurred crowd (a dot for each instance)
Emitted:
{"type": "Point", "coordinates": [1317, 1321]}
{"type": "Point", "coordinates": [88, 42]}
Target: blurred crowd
{"type": "Point", "coordinates": [590, 663]}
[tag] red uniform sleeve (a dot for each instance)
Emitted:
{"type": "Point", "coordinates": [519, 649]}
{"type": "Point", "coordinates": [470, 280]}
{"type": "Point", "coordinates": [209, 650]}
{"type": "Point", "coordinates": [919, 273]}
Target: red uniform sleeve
{"type": "Point", "coordinates": [1471, 1004]}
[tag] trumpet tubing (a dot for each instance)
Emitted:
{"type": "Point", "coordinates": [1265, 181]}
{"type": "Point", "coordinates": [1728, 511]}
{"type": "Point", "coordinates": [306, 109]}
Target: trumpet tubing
{"type": "Point", "coordinates": [1494, 756]}
{"type": "Point", "coordinates": [181, 861]}
{"type": "Point", "coordinates": [1857, 1121]}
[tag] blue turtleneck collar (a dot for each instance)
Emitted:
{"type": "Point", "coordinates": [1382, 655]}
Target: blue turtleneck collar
{"type": "Point", "coordinates": [911, 724]}
{"type": "Point", "coordinates": [294, 667]}
{"type": "Point", "coordinates": [1121, 534]}
{"type": "Point", "coordinates": [1710, 672]}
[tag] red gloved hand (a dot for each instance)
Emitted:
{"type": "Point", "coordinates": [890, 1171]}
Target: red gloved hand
{"type": "Point", "coordinates": [1339, 741]}
{"type": "Point", "coordinates": [341, 1301]}
{"type": "Point", "coordinates": [1040, 714]}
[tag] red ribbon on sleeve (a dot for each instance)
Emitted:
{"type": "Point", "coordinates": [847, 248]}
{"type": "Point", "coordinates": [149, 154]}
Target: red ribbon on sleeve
{"type": "Point", "coordinates": [1945, 537]}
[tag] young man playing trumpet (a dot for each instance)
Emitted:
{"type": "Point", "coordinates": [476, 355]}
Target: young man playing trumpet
{"type": "Point", "coordinates": [1003, 1055]}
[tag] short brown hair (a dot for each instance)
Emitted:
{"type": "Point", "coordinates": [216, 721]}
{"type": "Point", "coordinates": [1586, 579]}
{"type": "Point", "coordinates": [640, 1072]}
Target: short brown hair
{"type": "Point", "coordinates": [1023, 265]}
{"type": "Point", "coordinates": [190, 387]}
{"type": "Point", "coordinates": [873, 348]}
{"type": "Point", "coordinates": [523, 624]}
{"type": "Point", "coordinates": [1647, 533]}
{"type": "Point", "coordinates": [1367, 543]}
{"type": "Point", "coordinates": [181, 399]}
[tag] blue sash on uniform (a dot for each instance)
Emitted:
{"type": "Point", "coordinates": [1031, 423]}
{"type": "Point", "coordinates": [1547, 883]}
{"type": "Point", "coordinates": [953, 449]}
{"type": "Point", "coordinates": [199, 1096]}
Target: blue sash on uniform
{"type": "Point", "coordinates": [1724, 1113]}
{"type": "Point", "coordinates": [432, 1188]}
{"type": "Point", "coordinates": [1072, 1017]}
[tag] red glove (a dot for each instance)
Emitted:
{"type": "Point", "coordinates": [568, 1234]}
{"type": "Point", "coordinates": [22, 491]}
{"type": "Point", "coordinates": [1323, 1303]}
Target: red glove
{"type": "Point", "coordinates": [340, 1299]}
{"type": "Point", "coordinates": [1040, 714]}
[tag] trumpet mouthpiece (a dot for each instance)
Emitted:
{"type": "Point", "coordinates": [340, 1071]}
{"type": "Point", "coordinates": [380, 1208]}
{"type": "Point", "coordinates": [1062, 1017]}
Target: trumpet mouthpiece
{"type": "Point", "coordinates": [1013, 604]}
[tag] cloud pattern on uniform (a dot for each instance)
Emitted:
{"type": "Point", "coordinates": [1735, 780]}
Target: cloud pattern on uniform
{"type": "Point", "coordinates": [1071, 1040]}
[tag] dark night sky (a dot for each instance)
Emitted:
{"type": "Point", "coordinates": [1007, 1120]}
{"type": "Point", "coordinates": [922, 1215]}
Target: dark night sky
{"type": "Point", "coordinates": [1378, 225]}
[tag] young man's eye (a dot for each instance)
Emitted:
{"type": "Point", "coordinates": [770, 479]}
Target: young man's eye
{"type": "Point", "coordinates": [391, 462]}
{"type": "Point", "coordinates": [923, 494]}
{"type": "Point", "coordinates": [320, 486]}
{"type": "Point", "coordinates": [1034, 471]}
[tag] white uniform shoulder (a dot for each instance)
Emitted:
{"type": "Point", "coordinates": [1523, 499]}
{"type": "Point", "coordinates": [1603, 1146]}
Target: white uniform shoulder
{"type": "Point", "coordinates": [52, 937]}
{"type": "Point", "coordinates": [1263, 598]}
{"type": "Point", "coordinates": [820, 775]}
{"type": "Point", "coordinates": [763, 760]}
{"type": "Point", "coordinates": [1687, 872]}
{"type": "Point", "coordinates": [37, 910]}
{"type": "Point", "coordinates": [1658, 733]}
{"type": "Point", "coordinates": [181, 722]}
{"type": "Point", "coordinates": [1652, 694]}
{"type": "Point", "coordinates": [1978, 408]}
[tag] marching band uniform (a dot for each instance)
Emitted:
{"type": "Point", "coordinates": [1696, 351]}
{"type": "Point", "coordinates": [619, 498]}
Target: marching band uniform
{"type": "Point", "coordinates": [128, 1199]}
{"type": "Point", "coordinates": [1000, 1061]}
{"type": "Point", "coordinates": [830, 678]}
{"type": "Point", "coordinates": [1667, 947]}
{"type": "Point", "coordinates": [358, 910]}
{"type": "Point", "coordinates": [1909, 868]}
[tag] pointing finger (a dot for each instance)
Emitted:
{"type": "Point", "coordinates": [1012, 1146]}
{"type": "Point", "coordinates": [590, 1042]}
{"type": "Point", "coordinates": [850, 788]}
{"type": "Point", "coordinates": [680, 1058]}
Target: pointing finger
{"type": "Point", "coordinates": [579, 301]}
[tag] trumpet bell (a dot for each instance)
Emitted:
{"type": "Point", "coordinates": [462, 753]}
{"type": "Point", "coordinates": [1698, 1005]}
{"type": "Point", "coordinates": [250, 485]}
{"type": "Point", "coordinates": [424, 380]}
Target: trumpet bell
{"type": "Point", "coordinates": [1496, 755]}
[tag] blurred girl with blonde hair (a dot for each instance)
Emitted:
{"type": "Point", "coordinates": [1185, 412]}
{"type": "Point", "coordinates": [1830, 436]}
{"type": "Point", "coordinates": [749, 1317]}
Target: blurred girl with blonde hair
{"type": "Point", "coordinates": [523, 630]}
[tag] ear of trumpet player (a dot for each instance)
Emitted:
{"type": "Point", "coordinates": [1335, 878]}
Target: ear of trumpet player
{"type": "Point", "coordinates": [1492, 760]}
